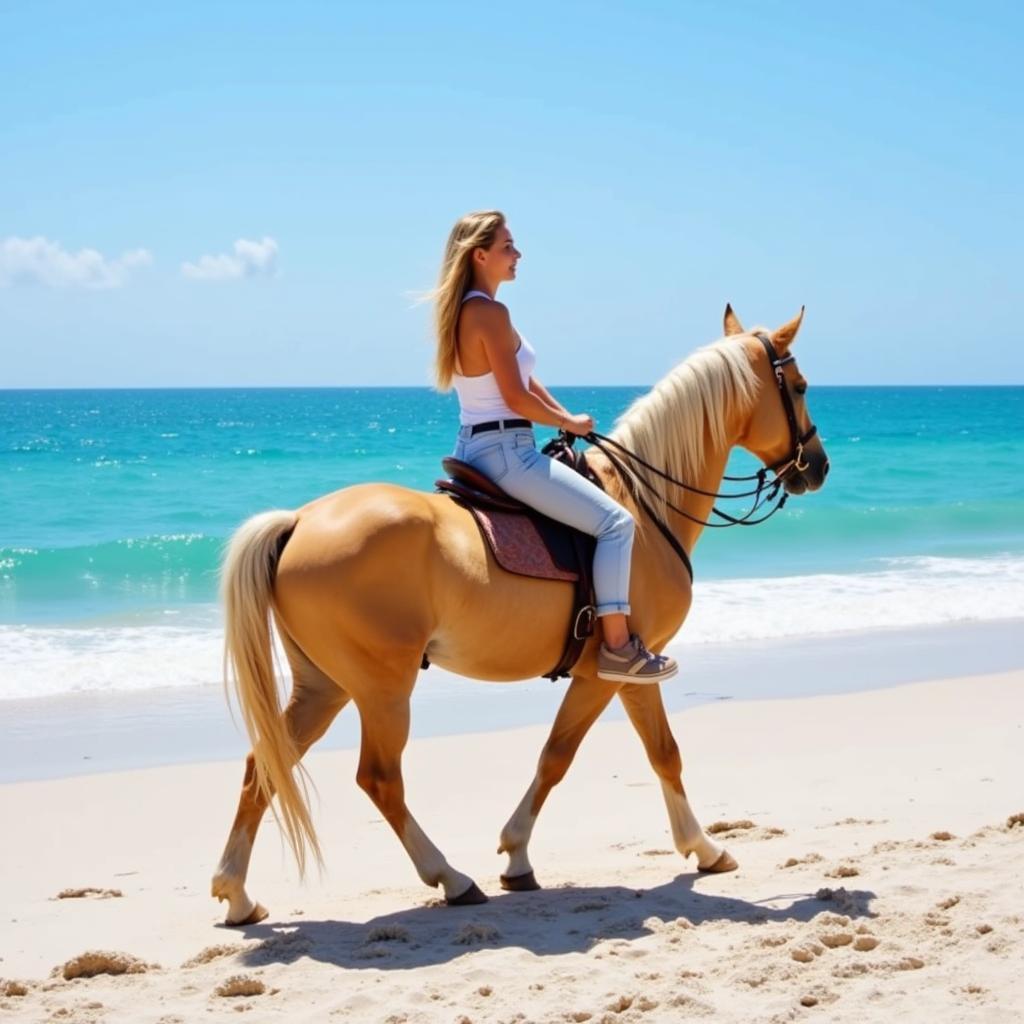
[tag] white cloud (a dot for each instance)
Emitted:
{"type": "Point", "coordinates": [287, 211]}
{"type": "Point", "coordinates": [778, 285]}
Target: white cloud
{"type": "Point", "coordinates": [250, 259]}
{"type": "Point", "coordinates": [40, 261]}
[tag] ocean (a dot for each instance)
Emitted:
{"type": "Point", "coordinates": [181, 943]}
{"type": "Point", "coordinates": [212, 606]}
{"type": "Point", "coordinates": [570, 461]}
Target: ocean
{"type": "Point", "coordinates": [116, 505]}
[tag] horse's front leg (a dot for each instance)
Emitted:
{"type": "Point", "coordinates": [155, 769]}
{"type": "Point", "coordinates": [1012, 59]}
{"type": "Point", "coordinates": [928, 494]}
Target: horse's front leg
{"type": "Point", "coordinates": [646, 711]}
{"type": "Point", "coordinates": [584, 701]}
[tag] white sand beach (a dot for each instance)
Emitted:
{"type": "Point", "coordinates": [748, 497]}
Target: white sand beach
{"type": "Point", "coordinates": [879, 836]}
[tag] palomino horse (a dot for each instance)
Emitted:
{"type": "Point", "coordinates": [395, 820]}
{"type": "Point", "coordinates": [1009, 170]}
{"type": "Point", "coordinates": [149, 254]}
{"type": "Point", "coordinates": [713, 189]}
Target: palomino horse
{"type": "Point", "coordinates": [363, 581]}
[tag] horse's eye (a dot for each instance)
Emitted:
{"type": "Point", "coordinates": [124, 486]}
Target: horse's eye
{"type": "Point", "coordinates": [801, 389]}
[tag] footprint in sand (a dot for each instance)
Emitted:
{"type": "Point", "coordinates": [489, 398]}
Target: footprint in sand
{"type": "Point", "coordinates": [587, 906]}
{"type": "Point", "coordinates": [94, 961]}
{"type": "Point", "coordinates": [810, 858]}
{"type": "Point", "coordinates": [888, 846]}
{"type": "Point", "coordinates": [472, 934]}
{"type": "Point", "coordinates": [372, 951]}
{"type": "Point", "coordinates": [843, 871]}
{"type": "Point", "coordinates": [89, 890]}
{"type": "Point", "coordinates": [211, 953]}
{"type": "Point", "coordinates": [624, 1003]}
{"type": "Point", "coordinates": [743, 828]}
{"type": "Point", "coordinates": [806, 952]}
{"type": "Point", "coordinates": [240, 985]}
{"type": "Point", "coordinates": [909, 963]}
{"type": "Point", "coordinates": [388, 933]}
{"type": "Point", "coordinates": [836, 934]}
{"type": "Point", "coordinates": [724, 827]}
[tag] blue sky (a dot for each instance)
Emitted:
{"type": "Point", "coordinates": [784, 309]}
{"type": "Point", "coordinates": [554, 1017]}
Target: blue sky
{"type": "Point", "coordinates": [655, 161]}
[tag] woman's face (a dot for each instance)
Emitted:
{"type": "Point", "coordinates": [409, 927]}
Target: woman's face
{"type": "Point", "coordinates": [499, 261]}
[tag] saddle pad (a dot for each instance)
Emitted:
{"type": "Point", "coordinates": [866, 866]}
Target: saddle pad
{"type": "Point", "coordinates": [517, 545]}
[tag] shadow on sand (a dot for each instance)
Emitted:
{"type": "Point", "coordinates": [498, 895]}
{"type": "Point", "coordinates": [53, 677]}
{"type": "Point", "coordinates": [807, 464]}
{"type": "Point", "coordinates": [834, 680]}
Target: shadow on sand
{"type": "Point", "coordinates": [546, 923]}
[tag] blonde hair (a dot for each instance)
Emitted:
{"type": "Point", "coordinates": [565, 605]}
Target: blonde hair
{"type": "Point", "coordinates": [672, 424]}
{"type": "Point", "coordinates": [474, 231]}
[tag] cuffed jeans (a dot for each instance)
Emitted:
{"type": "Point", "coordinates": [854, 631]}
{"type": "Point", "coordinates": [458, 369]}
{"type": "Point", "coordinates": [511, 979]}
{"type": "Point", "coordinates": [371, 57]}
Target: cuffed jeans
{"type": "Point", "coordinates": [510, 458]}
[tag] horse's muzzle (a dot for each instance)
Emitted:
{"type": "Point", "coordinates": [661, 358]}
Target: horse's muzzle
{"type": "Point", "coordinates": [810, 477]}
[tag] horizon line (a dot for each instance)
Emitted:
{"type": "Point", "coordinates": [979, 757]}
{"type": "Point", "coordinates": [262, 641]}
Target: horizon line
{"type": "Point", "coordinates": [425, 387]}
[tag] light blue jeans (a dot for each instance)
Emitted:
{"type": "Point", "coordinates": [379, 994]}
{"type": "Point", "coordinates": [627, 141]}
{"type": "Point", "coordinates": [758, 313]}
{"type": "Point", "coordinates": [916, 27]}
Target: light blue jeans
{"type": "Point", "coordinates": [510, 458]}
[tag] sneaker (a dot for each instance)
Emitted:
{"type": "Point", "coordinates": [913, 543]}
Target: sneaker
{"type": "Point", "coordinates": [634, 664]}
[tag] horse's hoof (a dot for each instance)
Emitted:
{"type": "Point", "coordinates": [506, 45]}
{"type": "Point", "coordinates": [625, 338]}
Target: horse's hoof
{"type": "Point", "coordinates": [257, 914]}
{"type": "Point", "coordinates": [725, 862]}
{"type": "Point", "coordinates": [520, 883]}
{"type": "Point", "coordinates": [470, 898]}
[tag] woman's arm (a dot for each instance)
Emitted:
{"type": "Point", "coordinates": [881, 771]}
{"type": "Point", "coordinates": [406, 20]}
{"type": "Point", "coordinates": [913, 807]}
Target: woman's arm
{"type": "Point", "coordinates": [544, 395]}
{"type": "Point", "coordinates": [494, 326]}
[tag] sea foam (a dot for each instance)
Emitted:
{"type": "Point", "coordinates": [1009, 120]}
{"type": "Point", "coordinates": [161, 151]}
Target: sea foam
{"type": "Point", "coordinates": [902, 593]}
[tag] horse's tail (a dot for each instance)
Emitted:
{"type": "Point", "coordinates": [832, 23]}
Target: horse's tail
{"type": "Point", "coordinates": [247, 580]}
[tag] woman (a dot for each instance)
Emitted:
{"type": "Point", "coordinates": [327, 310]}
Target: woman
{"type": "Point", "coordinates": [481, 355]}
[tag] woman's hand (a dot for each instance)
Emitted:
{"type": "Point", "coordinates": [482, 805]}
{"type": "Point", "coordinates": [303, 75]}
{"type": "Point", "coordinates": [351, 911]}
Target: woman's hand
{"type": "Point", "coordinates": [578, 424]}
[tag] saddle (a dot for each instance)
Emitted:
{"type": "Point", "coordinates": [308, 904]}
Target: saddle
{"type": "Point", "coordinates": [525, 542]}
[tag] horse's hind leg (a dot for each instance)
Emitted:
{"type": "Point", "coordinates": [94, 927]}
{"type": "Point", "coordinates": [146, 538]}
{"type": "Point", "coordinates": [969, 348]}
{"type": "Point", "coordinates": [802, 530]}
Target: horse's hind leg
{"type": "Point", "coordinates": [646, 711]}
{"type": "Point", "coordinates": [385, 731]}
{"type": "Point", "coordinates": [315, 701]}
{"type": "Point", "coordinates": [581, 706]}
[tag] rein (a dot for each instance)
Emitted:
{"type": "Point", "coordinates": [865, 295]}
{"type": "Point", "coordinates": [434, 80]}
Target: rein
{"type": "Point", "coordinates": [764, 493]}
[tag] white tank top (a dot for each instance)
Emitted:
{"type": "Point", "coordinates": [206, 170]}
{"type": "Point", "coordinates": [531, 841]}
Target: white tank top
{"type": "Point", "coordinates": [480, 398]}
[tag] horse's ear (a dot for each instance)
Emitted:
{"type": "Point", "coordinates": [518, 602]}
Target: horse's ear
{"type": "Point", "coordinates": [784, 335]}
{"type": "Point", "coordinates": [732, 322]}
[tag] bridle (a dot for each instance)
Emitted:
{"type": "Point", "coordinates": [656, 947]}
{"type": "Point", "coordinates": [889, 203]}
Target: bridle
{"type": "Point", "coordinates": [795, 460]}
{"type": "Point", "coordinates": [764, 493]}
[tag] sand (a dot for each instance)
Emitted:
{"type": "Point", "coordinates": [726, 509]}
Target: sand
{"type": "Point", "coordinates": [880, 837]}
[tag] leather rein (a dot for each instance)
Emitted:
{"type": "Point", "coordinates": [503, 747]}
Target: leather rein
{"type": "Point", "coordinates": [765, 491]}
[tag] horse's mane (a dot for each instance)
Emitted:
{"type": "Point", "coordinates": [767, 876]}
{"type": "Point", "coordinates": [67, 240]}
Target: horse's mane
{"type": "Point", "coordinates": [670, 426]}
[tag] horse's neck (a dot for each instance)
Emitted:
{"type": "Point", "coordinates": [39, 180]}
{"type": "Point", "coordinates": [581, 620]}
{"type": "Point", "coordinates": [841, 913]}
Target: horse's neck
{"type": "Point", "coordinates": [685, 530]}
{"type": "Point", "coordinates": [698, 506]}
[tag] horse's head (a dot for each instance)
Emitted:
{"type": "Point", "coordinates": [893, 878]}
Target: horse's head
{"type": "Point", "coordinates": [779, 430]}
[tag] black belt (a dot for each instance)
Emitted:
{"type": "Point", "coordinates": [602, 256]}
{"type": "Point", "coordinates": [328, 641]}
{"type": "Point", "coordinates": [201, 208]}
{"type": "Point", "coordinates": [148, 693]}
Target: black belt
{"type": "Point", "coordinates": [479, 428]}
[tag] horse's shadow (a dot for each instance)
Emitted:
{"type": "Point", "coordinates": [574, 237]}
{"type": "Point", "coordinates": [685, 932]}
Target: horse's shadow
{"type": "Point", "coordinates": [546, 923]}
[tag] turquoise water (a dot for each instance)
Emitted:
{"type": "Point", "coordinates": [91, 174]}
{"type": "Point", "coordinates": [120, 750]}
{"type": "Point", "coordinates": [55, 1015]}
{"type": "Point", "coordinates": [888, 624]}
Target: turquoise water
{"type": "Point", "coordinates": [116, 503]}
